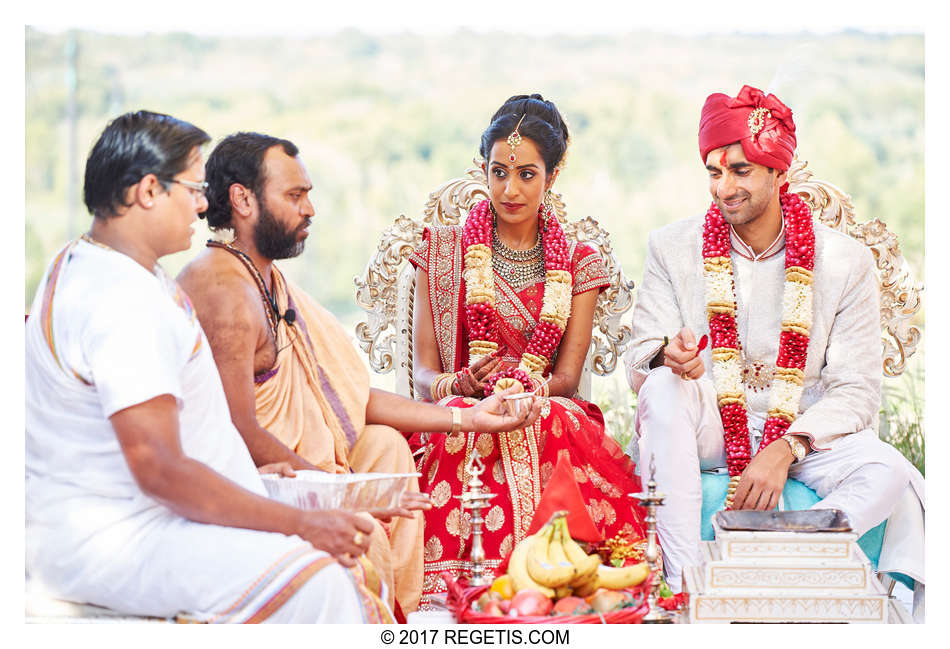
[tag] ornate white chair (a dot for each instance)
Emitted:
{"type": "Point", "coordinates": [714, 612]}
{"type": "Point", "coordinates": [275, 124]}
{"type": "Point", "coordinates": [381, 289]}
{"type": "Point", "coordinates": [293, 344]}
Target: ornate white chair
{"type": "Point", "coordinates": [385, 290]}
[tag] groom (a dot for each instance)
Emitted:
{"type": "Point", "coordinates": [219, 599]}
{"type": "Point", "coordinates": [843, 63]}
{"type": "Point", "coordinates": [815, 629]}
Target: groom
{"type": "Point", "coordinates": [793, 365]}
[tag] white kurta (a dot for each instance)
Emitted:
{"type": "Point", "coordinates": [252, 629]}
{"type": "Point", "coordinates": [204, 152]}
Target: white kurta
{"type": "Point", "coordinates": [122, 336]}
{"type": "Point", "coordinates": [839, 405]}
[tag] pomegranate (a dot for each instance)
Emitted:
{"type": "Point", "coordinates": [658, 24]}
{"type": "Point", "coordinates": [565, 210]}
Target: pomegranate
{"type": "Point", "coordinates": [530, 603]}
{"type": "Point", "coordinates": [571, 606]}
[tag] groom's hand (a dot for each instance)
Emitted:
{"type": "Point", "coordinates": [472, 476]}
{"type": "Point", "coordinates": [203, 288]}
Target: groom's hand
{"type": "Point", "coordinates": [761, 484]}
{"type": "Point", "coordinates": [682, 355]}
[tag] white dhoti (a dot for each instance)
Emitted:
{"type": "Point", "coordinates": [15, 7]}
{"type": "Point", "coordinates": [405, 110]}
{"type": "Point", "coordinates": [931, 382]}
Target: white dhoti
{"type": "Point", "coordinates": [92, 535]}
{"type": "Point", "coordinates": [678, 424]}
{"type": "Point", "coordinates": [160, 565]}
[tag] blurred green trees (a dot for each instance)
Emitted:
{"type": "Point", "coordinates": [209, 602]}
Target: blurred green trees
{"type": "Point", "coordinates": [383, 120]}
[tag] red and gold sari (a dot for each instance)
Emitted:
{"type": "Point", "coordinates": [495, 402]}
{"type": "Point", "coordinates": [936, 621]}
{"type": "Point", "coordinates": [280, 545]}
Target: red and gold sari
{"type": "Point", "coordinates": [518, 463]}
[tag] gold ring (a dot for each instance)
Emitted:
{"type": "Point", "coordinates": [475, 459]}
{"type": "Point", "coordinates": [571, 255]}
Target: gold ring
{"type": "Point", "coordinates": [685, 377]}
{"type": "Point", "coordinates": [358, 538]}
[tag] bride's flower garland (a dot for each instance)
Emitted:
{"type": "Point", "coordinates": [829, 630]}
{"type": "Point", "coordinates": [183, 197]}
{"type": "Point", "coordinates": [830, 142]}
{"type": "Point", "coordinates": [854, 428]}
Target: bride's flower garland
{"type": "Point", "coordinates": [797, 298]}
{"type": "Point", "coordinates": [480, 314]}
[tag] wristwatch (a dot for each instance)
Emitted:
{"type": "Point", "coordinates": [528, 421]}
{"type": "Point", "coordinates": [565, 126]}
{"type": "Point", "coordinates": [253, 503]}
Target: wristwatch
{"type": "Point", "coordinates": [798, 449]}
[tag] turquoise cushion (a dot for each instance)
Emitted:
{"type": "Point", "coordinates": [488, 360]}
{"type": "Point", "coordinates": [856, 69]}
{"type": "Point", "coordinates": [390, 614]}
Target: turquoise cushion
{"type": "Point", "coordinates": [796, 496]}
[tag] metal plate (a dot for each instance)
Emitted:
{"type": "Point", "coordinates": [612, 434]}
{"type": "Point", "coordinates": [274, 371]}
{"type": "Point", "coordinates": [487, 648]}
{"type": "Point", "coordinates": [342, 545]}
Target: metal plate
{"type": "Point", "coordinates": [808, 520]}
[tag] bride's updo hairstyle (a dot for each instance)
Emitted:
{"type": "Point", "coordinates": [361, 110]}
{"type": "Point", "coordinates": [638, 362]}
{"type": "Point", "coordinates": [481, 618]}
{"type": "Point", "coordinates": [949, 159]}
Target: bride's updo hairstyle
{"type": "Point", "coordinates": [542, 124]}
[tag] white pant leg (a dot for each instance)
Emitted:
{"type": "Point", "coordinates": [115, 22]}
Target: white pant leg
{"type": "Point", "coordinates": [328, 597]}
{"type": "Point", "coordinates": [860, 475]}
{"type": "Point", "coordinates": [678, 424]}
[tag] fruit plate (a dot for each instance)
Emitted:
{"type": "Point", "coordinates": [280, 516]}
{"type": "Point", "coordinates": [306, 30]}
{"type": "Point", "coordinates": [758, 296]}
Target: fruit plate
{"type": "Point", "coordinates": [460, 597]}
{"type": "Point", "coordinates": [351, 491]}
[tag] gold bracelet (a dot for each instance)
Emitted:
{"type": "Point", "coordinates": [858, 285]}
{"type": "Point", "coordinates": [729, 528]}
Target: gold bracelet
{"type": "Point", "coordinates": [445, 388]}
{"type": "Point", "coordinates": [456, 419]}
{"type": "Point", "coordinates": [435, 389]}
{"type": "Point", "coordinates": [541, 388]}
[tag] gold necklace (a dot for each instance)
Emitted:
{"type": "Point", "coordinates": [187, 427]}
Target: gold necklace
{"type": "Point", "coordinates": [88, 239]}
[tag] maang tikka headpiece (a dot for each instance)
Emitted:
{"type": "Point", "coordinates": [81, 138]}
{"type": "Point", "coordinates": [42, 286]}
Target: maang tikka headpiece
{"type": "Point", "coordinates": [514, 139]}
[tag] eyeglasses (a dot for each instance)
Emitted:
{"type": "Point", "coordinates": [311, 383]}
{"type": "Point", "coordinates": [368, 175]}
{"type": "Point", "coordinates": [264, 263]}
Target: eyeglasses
{"type": "Point", "coordinates": [199, 190]}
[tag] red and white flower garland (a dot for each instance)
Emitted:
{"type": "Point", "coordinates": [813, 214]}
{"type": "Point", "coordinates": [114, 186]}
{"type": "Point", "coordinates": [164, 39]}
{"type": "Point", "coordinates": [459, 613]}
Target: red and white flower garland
{"type": "Point", "coordinates": [797, 299]}
{"type": "Point", "coordinates": [480, 314]}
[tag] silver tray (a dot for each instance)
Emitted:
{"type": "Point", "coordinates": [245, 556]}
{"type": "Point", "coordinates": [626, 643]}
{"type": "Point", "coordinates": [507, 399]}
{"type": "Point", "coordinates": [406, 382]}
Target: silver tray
{"type": "Point", "coordinates": [807, 520]}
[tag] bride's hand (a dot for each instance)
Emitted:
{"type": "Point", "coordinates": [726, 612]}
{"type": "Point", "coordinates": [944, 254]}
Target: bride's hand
{"type": "Point", "coordinates": [472, 382]}
{"type": "Point", "coordinates": [492, 415]}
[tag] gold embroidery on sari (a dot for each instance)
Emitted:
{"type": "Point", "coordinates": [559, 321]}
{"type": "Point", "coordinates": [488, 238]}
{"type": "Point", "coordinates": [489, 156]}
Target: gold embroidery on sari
{"type": "Point", "coordinates": [610, 514]}
{"type": "Point", "coordinates": [454, 443]}
{"type": "Point", "coordinates": [445, 277]}
{"type": "Point", "coordinates": [598, 481]}
{"type": "Point", "coordinates": [546, 470]}
{"type": "Point", "coordinates": [595, 514]}
{"type": "Point", "coordinates": [568, 404]}
{"type": "Point", "coordinates": [433, 549]}
{"type": "Point", "coordinates": [574, 422]}
{"type": "Point", "coordinates": [580, 476]}
{"type": "Point", "coordinates": [453, 522]}
{"type": "Point", "coordinates": [498, 471]}
{"type": "Point", "coordinates": [508, 303]}
{"type": "Point", "coordinates": [460, 469]}
{"type": "Point", "coordinates": [589, 272]}
{"type": "Point", "coordinates": [485, 444]}
{"type": "Point", "coordinates": [556, 428]}
{"type": "Point", "coordinates": [545, 408]}
{"type": "Point", "coordinates": [433, 469]}
{"type": "Point", "coordinates": [495, 518]}
{"type": "Point", "coordinates": [520, 454]}
{"type": "Point", "coordinates": [441, 494]}
{"type": "Point", "coordinates": [507, 545]}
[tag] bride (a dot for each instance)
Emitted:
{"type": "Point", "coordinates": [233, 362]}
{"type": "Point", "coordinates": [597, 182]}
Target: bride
{"type": "Point", "coordinates": [505, 299]}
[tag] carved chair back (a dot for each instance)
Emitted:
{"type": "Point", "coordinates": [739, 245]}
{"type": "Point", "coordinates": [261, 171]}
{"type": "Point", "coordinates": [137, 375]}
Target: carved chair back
{"type": "Point", "coordinates": [900, 292]}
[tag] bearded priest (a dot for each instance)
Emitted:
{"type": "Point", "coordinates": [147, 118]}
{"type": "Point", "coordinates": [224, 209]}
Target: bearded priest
{"type": "Point", "coordinates": [790, 383]}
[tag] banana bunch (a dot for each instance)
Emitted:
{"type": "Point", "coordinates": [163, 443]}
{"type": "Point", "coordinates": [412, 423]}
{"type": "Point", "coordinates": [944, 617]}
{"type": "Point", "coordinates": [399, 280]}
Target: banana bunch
{"type": "Point", "coordinates": [552, 563]}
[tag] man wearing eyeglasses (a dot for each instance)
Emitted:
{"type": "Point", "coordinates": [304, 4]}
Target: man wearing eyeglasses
{"type": "Point", "coordinates": [140, 493]}
{"type": "Point", "coordinates": [298, 391]}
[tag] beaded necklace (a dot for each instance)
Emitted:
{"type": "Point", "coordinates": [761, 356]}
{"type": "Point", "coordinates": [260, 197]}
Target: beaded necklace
{"type": "Point", "coordinates": [789, 377]}
{"type": "Point", "coordinates": [270, 304]}
{"type": "Point", "coordinates": [519, 267]}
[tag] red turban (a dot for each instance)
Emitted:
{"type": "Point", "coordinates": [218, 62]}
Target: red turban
{"type": "Point", "coordinates": [760, 122]}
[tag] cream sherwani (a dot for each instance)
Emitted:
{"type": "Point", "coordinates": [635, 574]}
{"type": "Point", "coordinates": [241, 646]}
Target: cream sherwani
{"type": "Point", "coordinates": [678, 421]}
